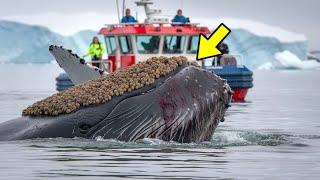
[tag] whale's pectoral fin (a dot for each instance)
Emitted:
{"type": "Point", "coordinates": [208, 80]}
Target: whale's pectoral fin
{"type": "Point", "coordinates": [76, 68]}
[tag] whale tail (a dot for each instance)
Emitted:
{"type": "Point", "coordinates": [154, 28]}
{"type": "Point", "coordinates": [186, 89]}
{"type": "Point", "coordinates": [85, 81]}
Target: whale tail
{"type": "Point", "coordinates": [76, 68]}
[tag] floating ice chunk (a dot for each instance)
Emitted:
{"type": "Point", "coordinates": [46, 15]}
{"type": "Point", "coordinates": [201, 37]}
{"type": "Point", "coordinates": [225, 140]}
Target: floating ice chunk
{"type": "Point", "coordinates": [266, 66]}
{"type": "Point", "coordinates": [288, 60]}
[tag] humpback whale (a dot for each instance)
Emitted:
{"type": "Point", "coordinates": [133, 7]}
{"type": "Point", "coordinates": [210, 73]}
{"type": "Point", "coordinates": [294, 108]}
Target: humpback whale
{"type": "Point", "coordinates": [163, 98]}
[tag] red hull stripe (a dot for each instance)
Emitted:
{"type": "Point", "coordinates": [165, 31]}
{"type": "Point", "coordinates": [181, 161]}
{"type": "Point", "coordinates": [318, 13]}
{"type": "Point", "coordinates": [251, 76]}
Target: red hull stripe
{"type": "Point", "coordinates": [153, 30]}
{"type": "Point", "coordinates": [239, 94]}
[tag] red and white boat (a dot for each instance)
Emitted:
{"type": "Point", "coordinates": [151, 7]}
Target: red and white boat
{"type": "Point", "coordinates": [130, 43]}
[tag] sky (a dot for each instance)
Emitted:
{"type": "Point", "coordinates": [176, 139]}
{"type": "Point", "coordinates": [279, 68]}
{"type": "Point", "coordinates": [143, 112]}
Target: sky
{"type": "Point", "coordinates": [294, 15]}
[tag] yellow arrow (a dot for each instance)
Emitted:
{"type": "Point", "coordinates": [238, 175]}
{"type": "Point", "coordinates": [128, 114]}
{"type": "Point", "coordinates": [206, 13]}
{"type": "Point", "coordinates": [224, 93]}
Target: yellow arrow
{"type": "Point", "coordinates": [207, 47]}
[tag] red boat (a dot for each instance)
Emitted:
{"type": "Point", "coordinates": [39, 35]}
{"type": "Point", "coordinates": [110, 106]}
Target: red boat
{"type": "Point", "coordinates": [130, 43]}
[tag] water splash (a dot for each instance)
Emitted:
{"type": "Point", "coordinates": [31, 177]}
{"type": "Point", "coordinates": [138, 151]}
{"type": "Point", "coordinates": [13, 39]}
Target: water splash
{"type": "Point", "coordinates": [221, 139]}
{"type": "Point", "coordinates": [246, 138]}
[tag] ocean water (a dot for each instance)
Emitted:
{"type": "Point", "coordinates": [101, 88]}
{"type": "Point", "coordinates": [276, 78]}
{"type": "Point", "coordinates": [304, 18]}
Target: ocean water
{"type": "Point", "coordinates": [274, 135]}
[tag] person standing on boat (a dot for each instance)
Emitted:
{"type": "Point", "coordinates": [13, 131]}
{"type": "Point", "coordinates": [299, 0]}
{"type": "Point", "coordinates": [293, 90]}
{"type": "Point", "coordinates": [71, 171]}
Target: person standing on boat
{"type": "Point", "coordinates": [96, 51]}
{"type": "Point", "coordinates": [179, 18]}
{"type": "Point", "coordinates": [128, 18]}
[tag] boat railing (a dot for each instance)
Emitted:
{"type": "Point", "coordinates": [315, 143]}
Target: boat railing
{"type": "Point", "coordinates": [214, 61]}
{"type": "Point", "coordinates": [154, 24]}
{"type": "Point", "coordinates": [105, 64]}
{"type": "Point", "coordinates": [239, 58]}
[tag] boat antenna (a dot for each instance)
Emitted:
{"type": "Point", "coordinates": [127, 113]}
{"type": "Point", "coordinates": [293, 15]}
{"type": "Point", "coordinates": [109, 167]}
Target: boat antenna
{"type": "Point", "coordinates": [137, 15]}
{"type": "Point", "coordinates": [123, 7]}
{"type": "Point", "coordinates": [118, 12]}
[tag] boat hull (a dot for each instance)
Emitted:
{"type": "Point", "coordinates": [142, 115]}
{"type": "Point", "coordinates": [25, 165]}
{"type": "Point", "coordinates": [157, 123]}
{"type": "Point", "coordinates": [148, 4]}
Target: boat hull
{"type": "Point", "coordinates": [239, 78]}
{"type": "Point", "coordinates": [239, 94]}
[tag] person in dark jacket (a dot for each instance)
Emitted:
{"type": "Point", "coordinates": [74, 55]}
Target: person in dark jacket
{"type": "Point", "coordinates": [179, 18]}
{"type": "Point", "coordinates": [224, 48]}
{"type": "Point", "coordinates": [128, 18]}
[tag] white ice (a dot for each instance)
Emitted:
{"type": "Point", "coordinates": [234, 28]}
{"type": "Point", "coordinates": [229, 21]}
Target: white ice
{"type": "Point", "coordinates": [266, 66]}
{"type": "Point", "coordinates": [257, 28]}
{"type": "Point", "coordinates": [288, 60]}
{"type": "Point", "coordinates": [73, 23]}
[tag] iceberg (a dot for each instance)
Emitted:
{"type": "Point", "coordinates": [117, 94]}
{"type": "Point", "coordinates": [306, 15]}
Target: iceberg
{"type": "Point", "coordinates": [22, 43]}
{"type": "Point", "coordinates": [288, 60]}
{"type": "Point", "coordinates": [256, 42]}
{"type": "Point", "coordinates": [266, 66]}
{"type": "Point", "coordinates": [258, 50]}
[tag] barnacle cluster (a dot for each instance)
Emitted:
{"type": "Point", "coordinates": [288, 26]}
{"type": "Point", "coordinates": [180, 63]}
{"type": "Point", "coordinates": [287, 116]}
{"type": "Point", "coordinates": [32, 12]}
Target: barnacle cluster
{"type": "Point", "coordinates": [101, 90]}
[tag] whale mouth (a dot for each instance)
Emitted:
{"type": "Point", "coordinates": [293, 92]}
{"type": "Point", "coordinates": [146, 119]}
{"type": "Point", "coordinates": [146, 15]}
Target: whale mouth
{"type": "Point", "coordinates": [180, 109]}
{"type": "Point", "coordinates": [221, 139]}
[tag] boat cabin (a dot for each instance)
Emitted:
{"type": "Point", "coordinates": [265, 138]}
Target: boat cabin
{"type": "Point", "coordinates": [127, 44]}
{"type": "Point", "coordinates": [130, 43]}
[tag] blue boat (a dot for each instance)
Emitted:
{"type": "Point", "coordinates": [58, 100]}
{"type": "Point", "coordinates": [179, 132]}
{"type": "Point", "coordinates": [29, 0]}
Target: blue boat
{"type": "Point", "coordinates": [238, 76]}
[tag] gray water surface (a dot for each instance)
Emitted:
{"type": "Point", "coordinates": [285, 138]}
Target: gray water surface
{"type": "Point", "coordinates": [275, 135]}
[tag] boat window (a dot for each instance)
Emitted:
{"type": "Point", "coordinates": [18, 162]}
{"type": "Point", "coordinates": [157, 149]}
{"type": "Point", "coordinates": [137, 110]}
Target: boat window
{"type": "Point", "coordinates": [193, 44]}
{"type": "Point", "coordinates": [125, 45]}
{"type": "Point", "coordinates": [173, 44]}
{"type": "Point", "coordinates": [111, 44]}
{"type": "Point", "coordinates": [148, 44]}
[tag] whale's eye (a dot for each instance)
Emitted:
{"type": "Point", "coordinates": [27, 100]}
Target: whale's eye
{"type": "Point", "coordinates": [84, 128]}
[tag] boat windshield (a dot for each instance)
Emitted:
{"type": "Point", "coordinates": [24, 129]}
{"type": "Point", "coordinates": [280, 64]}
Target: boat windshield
{"type": "Point", "coordinates": [111, 44]}
{"type": "Point", "coordinates": [125, 44]}
{"type": "Point", "coordinates": [193, 44]}
{"type": "Point", "coordinates": [148, 44]}
{"type": "Point", "coordinates": [173, 44]}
